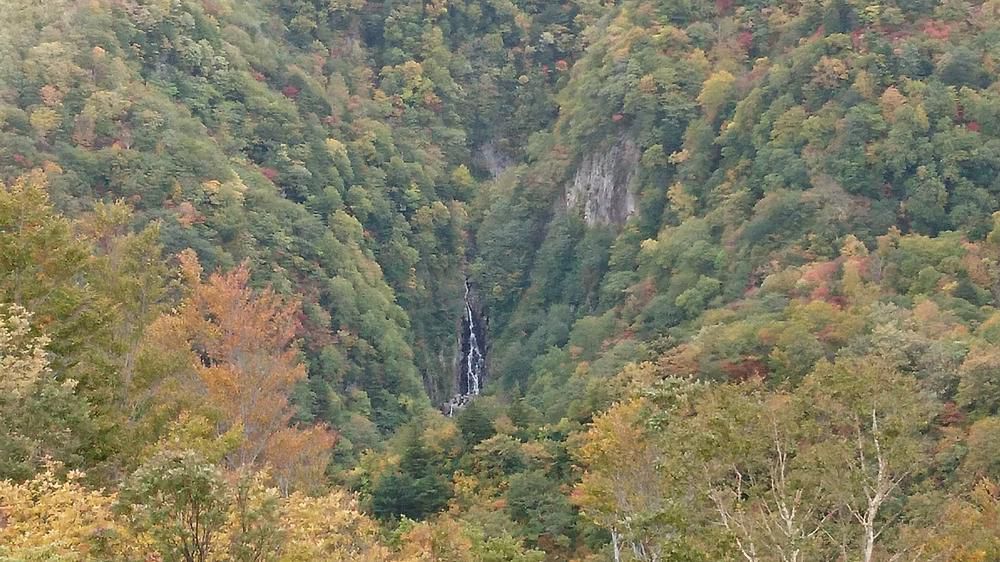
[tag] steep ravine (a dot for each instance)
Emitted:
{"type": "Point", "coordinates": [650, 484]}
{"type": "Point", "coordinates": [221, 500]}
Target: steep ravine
{"type": "Point", "coordinates": [600, 189]}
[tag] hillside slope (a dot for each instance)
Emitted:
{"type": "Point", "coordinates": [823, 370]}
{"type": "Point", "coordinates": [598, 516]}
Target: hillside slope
{"type": "Point", "coordinates": [751, 246]}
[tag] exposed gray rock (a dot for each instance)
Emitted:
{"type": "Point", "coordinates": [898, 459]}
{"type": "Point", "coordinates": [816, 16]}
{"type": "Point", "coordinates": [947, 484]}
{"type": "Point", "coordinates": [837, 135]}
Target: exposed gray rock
{"type": "Point", "coordinates": [456, 404]}
{"type": "Point", "coordinates": [601, 184]}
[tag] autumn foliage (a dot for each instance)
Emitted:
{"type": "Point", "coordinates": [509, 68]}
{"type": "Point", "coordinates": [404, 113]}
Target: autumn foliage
{"type": "Point", "coordinates": [243, 343]}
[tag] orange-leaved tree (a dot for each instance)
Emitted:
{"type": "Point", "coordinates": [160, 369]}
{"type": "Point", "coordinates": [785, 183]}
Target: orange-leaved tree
{"type": "Point", "coordinates": [248, 364]}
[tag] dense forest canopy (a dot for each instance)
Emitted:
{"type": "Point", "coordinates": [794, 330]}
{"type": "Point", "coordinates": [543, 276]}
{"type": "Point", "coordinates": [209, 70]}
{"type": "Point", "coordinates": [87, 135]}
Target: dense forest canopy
{"type": "Point", "coordinates": [735, 266]}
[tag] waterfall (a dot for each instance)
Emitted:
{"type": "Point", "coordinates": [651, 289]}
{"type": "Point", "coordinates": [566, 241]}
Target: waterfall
{"type": "Point", "coordinates": [475, 362]}
{"type": "Point", "coordinates": [472, 355]}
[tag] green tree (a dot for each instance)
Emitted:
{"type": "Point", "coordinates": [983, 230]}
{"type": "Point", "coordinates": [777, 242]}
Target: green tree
{"type": "Point", "coordinates": [179, 500]}
{"type": "Point", "coordinates": [42, 419]}
{"type": "Point", "coordinates": [474, 423]}
{"type": "Point", "coordinates": [533, 500]}
{"type": "Point", "coordinates": [45, 269]}
{"type": "Point", "coordinates": [254, 525]}
{"type": "Point", "coordinates": [416, 488]}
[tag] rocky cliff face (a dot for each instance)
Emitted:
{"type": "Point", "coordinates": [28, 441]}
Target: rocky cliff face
{"type": "Point", "coordinates": [601, 184]}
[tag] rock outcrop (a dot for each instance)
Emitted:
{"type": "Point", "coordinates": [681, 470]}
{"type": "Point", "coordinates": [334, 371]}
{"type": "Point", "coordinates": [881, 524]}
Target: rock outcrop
{"type": "Point", "coordinates": [601, 184]}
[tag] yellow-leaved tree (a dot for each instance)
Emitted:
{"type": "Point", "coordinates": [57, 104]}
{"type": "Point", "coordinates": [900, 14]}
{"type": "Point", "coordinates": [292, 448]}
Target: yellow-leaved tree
{"type": "Point", "coordinates": [51, 518]}
{"type": "Point", "coordinates": [329, 527]}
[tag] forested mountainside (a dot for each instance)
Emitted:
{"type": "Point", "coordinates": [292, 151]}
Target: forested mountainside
{"type": "Point", "coordinates": [689, 281]}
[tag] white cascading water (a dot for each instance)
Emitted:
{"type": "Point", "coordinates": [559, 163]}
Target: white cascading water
{"type": "Point", "coordinates": [474, 361]}
{"type": "Point", "coordinates": [472, 369]}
